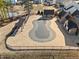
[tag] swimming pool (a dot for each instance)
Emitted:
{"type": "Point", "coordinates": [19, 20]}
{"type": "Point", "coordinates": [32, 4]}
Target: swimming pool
{"type": "Point", "coordinates": [41, 31]}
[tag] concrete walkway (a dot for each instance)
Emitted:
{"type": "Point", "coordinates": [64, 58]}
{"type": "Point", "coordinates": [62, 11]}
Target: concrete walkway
{"type": "Point", "coordinates": [3, 32]}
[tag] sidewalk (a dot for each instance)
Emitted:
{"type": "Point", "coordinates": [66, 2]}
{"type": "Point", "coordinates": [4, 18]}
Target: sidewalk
{"type": "Point", "coordinates": [3, 32]}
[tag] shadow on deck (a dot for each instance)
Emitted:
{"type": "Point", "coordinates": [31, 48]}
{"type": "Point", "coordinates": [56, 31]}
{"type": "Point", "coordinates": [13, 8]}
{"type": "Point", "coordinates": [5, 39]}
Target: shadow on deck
{"type": "Point", "coordinates": [70, 40]}
{"type": "Point", "coordinates": [16, 27]}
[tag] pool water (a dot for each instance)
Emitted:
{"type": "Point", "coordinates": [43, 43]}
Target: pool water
{"type": "Point", "coordinates": [41, 31]}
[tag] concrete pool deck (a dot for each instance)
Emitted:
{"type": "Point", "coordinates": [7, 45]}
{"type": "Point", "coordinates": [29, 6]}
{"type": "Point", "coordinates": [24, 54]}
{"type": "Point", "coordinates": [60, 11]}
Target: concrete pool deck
{"type": "Point", "coordinates": [23, 41]}
{"type": "Point", "coordinates": [22, 38]}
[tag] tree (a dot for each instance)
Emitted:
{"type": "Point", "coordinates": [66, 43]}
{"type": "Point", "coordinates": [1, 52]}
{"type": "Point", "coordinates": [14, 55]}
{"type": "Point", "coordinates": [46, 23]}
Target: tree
{"type": "Point", "coordinates": [1, 3]}
{"type": "Point", "coordinates": [27, 5]}
{"type": "Point", "coordinates": [8, 4]}
{"type": "Point", "coordinates": [3, 9]}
